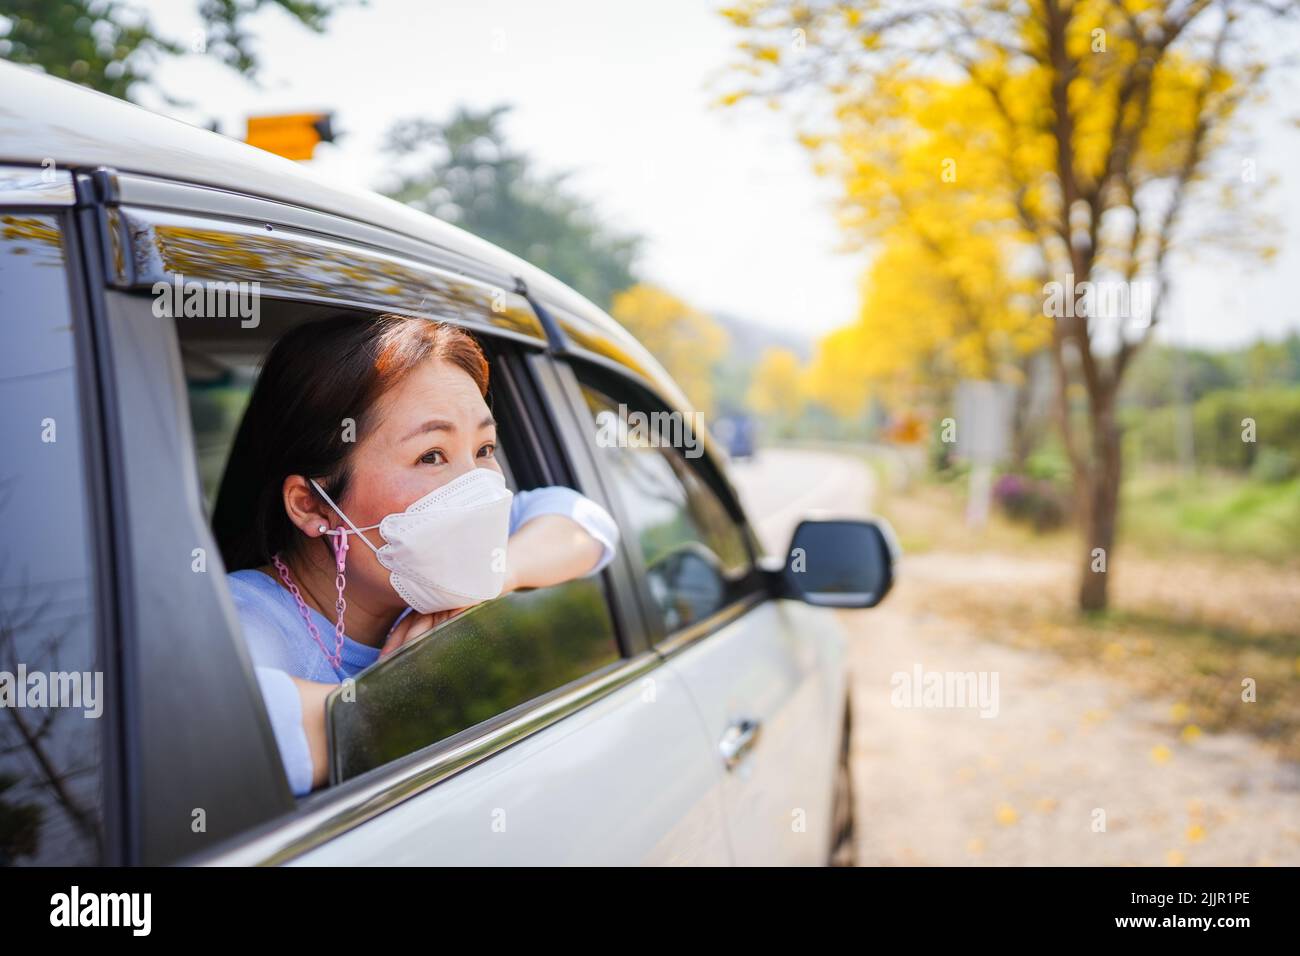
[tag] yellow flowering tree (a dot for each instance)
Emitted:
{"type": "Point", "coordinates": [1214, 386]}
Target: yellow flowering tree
{"type": "Point", "coordinates": [1058, 141]}
{"type": "Point", "coordinates": [776, 387]}
{"type": "Point", "coordinates": [687, 342]}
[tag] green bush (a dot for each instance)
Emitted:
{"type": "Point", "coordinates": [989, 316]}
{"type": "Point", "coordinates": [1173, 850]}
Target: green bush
{"type": "Point", "coordinates": [1274, 466]}
{"type": "Point", "coordinates": [1032, 501]}
{"type": "Point", "coordinates": [1218, 433]}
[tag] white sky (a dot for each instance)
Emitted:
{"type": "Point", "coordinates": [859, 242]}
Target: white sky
{"type": "Point", "coordinates": [735, 219]}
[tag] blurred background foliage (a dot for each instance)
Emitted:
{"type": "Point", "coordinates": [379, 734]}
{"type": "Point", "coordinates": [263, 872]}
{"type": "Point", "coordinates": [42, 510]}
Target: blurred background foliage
{"type": "Point", "coordinates": [462, 170]}
{"type": "Point", "coordinates": [113, 47]}
{"type": "Point", "coordinates": [951, 189]}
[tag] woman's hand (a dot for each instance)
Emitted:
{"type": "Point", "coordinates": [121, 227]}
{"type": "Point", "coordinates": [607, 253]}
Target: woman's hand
{"type": "Point", "coordinates": [414, 626]}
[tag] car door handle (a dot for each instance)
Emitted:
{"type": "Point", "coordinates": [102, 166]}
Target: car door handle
{"type": "Point", "coordinates": [738, 740]}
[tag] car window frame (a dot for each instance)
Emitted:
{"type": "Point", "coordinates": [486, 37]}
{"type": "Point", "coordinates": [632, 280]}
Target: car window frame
{"type": "Point", "coordinates": [121, 208]}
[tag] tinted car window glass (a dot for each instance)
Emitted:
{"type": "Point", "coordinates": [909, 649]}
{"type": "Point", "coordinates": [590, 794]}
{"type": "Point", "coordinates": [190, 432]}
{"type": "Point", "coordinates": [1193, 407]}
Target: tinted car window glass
{"type": "Point", "coordinates": [495, 657]}
{"type": "Point", "coordinates": [51, 688]}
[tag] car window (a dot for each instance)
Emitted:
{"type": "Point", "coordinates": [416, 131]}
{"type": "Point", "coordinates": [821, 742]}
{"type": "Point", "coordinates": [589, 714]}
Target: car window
{"type": "Point", "coordinates": [493, 659]}
{"type": "Point", "coordinates": [694, 552]}
{"type": "Point", "coordinates": [51, 685]}
{"type": "Point", "coordinates": [496, 657]}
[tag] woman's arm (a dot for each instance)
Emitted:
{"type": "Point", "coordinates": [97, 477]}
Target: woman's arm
{"type": "Point", "coordinates": [296, 709]}
{"type": "Point", "coordinates": [549, 549]}
{"type": "Point", "coordinates": [312, 694]}
{"type": "Point", "coordinates": [567, 541]}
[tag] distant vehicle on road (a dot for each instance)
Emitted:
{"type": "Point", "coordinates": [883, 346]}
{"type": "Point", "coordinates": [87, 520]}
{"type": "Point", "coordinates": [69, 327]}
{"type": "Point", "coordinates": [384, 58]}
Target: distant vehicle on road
{"type": "Point", "coordinates": [738, 434]}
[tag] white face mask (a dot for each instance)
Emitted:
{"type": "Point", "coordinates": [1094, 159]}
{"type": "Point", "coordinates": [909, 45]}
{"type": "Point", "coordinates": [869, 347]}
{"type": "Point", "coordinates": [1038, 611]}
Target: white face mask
{"type": "Point", "coordinates": [448, 549]}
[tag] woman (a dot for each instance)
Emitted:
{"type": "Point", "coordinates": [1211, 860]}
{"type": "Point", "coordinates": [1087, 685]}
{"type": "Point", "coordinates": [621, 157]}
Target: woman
{"type": "Point", "coordinates": [363, 504]}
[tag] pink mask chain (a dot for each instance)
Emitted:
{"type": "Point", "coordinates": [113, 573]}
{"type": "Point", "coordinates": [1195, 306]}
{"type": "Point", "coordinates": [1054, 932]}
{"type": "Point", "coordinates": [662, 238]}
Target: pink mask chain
{"type": "Point", "coordinates": [339, 542]}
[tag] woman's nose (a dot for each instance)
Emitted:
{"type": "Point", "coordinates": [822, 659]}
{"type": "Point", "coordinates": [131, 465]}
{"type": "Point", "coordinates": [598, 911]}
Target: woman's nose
{"type": "Point", "coordinates": [464, 467]}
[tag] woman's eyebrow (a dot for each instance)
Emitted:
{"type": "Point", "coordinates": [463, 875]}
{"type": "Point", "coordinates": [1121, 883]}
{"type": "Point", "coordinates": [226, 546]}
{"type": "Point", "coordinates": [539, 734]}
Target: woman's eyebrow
{"type": "Point", "coordinates": [442, 425]}
{"type": "Point", "coordinates": [433, 425]}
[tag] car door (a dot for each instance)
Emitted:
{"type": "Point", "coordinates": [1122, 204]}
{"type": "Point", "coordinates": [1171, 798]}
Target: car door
{"type": "Point", "coordinates": [562, 737]}
{"type": "Point", "coordinates": [765, 675]}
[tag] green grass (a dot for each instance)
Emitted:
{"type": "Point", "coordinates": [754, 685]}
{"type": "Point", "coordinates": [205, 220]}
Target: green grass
{"type": "Point", "coordinates": [1212, 512]}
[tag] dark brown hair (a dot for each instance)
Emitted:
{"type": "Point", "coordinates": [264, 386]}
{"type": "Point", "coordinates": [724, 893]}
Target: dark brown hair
{"type": "Point", "coordinates": [314, 378]}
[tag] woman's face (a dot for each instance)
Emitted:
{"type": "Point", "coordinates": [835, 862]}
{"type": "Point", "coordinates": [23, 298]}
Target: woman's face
{"type": "Point", "coordinates": [429, 429]}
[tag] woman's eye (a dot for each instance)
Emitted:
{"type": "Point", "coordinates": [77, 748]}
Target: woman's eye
{"type": "Point", "coordinates": [488, 451]}
{"type": "Point", "coordinates": [435, 457]}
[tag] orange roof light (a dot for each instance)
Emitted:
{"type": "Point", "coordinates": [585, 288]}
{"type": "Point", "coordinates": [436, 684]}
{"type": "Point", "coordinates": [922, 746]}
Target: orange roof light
{"type": "Point", "coordinates": [292, 135]}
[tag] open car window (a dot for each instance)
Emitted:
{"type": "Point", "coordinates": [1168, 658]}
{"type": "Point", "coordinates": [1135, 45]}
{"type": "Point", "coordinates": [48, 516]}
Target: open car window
{"type": "Point", "coordinates": [495, 658]}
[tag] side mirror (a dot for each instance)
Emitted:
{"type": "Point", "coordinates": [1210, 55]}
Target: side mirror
{"type": "Point", "coordinates": [690, 575]}
{"type": "Point", "coordinates": [841, 563]}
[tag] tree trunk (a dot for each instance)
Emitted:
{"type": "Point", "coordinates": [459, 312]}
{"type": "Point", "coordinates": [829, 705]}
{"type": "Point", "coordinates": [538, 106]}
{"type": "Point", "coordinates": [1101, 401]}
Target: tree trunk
{"type": "Point", "coordinates": [1100, 500]}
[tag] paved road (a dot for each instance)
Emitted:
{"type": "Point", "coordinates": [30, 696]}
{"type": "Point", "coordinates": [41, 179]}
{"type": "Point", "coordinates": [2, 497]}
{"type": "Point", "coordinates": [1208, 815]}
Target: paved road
{"type": "Point", "coordinates": [1070, 750]}
{"type": "Point", "coordinates": [780, 487]}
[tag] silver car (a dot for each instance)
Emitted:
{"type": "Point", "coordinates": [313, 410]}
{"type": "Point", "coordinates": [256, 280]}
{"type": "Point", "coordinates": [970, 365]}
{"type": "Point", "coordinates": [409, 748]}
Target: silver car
{"type": "Point", "coordinates": [689, 705]}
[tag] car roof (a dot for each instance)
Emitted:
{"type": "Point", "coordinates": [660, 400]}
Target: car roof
{"type": "Point", "coordinates": [47, 119]}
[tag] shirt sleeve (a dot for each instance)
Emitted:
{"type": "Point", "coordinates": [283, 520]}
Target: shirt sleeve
{"type": "Point", "coordinates": [284, 707]}
{"type": "Point", "coordinates": [263, 636]}
{"type": "Point", "coordinates": [558, 500]}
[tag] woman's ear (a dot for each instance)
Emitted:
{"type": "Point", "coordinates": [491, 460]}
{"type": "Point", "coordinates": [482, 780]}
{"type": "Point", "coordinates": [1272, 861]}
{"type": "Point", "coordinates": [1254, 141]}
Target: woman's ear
{"type": "Point", "coordinates": [304, 507]}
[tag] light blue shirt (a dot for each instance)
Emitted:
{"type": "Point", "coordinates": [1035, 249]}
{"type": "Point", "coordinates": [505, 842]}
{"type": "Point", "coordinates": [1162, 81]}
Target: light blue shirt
{"type": "Point", "coordinates": [281, 645]}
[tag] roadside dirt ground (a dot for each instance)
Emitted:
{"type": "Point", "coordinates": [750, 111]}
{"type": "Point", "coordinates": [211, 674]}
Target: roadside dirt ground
{"type": "Point", "coordinates": [1071, 749]}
